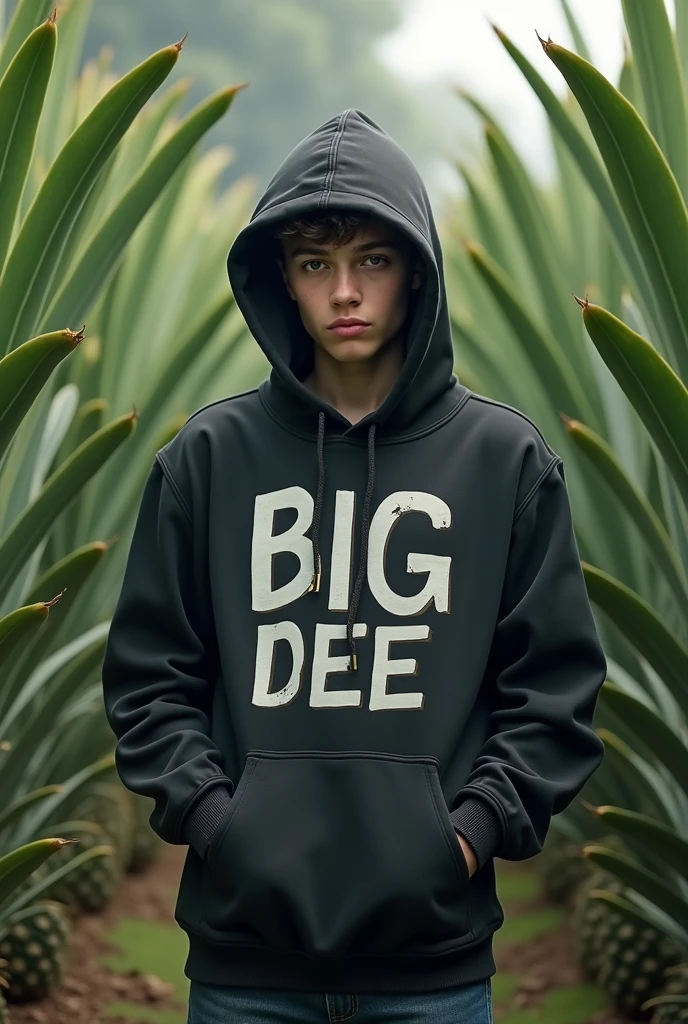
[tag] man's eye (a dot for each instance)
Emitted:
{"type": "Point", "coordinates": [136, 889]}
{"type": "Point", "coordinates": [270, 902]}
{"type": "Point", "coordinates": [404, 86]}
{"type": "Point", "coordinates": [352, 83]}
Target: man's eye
{"type": "Point", "coordinates": [384, 259]}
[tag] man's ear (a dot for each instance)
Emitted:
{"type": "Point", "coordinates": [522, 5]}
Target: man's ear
{"type": "Point", "coordinates": [280, 264]}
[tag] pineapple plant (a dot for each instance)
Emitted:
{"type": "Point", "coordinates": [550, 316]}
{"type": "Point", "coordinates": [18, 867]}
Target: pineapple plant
{"type": "Point", "coordinates": [69, 194]}
{"type": "Point", "coordinates": [613, 398]}
{"type": "Point", "coordinates": [627, 958]}
{"type": "Point", "coordinates": [594, 922]}
{"type": "Point", "coordinates": [61, 206]}
{"type": "Point", "coordinates": [35, 932]}
{"type": "Point", "coordinates": [108, 805]}
{"type": "Point", "coordinates": [676, 987]}
{"type": "Point", "coordinates": [90, 886]}
{"type": "Point", "coordinates": [91, 882]}
{"type": "Point", "coordinates": [34, 949]}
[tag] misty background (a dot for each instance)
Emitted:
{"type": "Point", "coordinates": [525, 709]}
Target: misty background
{"type": "Point", "coordinates": [398, 60]}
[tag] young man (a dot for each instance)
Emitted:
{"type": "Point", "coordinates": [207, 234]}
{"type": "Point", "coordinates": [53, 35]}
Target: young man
{"type": "Point", "coordinates": [353, 658]}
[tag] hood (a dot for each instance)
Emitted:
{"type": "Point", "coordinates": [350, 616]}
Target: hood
{"type": "Point", "coordinates": [347, 162]}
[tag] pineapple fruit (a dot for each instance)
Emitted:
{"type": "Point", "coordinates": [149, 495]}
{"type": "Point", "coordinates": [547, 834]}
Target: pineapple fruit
{"type": "Point", "coordinates": [109, 805]}
{"type": "Point", "coordinates": [90, 886]}
{"type": "Point", "coordinates": [627, 959]}
{"type": "Point", "coordinates": [34, 950]}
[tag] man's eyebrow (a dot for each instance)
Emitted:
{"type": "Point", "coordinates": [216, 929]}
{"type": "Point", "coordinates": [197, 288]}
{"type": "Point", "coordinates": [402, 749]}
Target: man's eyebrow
{"type": "Point", "coordinates": [303, 250]}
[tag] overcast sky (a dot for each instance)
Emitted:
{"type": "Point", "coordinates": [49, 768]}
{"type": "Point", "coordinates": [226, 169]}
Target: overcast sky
{"type": "Point", "coordinates": [452, 40]}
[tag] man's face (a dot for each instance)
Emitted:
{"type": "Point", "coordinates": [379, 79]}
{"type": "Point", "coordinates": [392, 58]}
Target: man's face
{"type": "Point", "coordinates": [369, 278]}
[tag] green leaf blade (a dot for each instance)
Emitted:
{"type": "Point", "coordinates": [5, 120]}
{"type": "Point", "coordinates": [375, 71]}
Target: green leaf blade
{"type": "Point", "coordinates": [645, 186]}
{"type": "Point", "coordinates": [643, 627]}
{"type": "Point", "coordinates": [22, 94]}
{"type": "Point", "coordinates": [658, 394]}
{"type": "Point", "coordinates": [660, 75]}
{"type": "Point", "coordinates": [80, 290]}
{"type": "Point", "coordinates": [35, 258]}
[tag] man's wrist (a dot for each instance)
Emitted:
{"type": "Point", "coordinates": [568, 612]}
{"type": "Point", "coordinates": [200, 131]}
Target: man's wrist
{"type": "Point", "coordinates": [202, 820]}
{"type": "Point", "coordinates": [480, 826]}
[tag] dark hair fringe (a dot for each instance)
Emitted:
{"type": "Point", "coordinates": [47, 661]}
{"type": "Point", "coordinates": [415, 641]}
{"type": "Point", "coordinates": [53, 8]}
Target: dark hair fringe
{"type": "Point", "coordinates": [329, 228]}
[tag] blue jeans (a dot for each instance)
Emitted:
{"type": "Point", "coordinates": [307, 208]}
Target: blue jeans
{"type": "Point", "coordinates": [462, 1004]}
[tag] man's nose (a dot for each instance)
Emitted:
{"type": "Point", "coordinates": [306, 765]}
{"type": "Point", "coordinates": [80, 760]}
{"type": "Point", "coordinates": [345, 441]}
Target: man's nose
{"type": "Point", "coordinates": [345, 287]}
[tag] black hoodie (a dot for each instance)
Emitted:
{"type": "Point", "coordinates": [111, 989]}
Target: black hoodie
{"type": "Point", "coordinates": [321, 795]}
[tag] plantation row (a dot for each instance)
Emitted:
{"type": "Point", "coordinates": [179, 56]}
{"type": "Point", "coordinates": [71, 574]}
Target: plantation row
{"type": "Point", "coordinates": [82, 162]}
{"type": "Point", "coordinates": [570, 303]}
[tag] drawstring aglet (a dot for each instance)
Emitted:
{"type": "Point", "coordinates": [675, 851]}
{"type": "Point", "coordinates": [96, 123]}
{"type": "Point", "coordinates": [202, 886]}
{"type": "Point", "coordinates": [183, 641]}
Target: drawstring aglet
{"type": "Point", "coordinates": [353, 664]}
{"type": "Point", "coordinates": [315, 581]}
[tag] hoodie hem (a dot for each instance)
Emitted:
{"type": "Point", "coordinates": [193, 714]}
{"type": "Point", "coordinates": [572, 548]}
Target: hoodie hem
{"type": "Point", "coordinates": [216, 964]}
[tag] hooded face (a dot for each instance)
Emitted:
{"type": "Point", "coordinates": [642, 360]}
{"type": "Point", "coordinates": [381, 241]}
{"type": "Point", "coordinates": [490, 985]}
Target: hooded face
{"type": "Point", "coordinates": [348, 163]}
{"type": "Point", "coordinates": [371, 278]}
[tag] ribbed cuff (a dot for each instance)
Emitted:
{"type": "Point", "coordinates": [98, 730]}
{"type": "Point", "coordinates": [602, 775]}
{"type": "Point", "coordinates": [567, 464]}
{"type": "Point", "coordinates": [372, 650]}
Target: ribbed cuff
{"type": "Point", "coordinates": [477, 822]}
{"type": "Point", "coordinates": [202, 820]}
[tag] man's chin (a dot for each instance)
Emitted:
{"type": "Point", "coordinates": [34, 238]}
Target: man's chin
{"type": "Point", "coordinates": [351, 350]}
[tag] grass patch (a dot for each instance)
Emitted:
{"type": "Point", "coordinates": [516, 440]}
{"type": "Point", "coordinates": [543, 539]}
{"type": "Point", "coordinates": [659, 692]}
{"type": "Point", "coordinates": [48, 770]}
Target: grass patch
{"type": "Point", "coordinates": [523, 927]}
{"type": "Point", "coordinates": [504, 985]}
{"type": "Point", "coordinates": [570, 1004]}
{"type": "Point", "coordinates": [151, 948]}
{"type": "Point", "coordinates": [517, 885]}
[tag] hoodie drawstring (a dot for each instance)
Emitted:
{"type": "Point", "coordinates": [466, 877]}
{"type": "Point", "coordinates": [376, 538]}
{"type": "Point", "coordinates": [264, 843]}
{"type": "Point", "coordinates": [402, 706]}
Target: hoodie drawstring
{"type": "Point", "coordinates": [317, 562]}
{"type": "Point", "coordinates": [365, 527]}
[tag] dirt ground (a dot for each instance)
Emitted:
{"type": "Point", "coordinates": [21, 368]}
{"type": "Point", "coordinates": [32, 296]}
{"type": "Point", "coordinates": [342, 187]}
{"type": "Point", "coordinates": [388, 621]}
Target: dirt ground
{"type": "Point", "coordinates": [544, 962]}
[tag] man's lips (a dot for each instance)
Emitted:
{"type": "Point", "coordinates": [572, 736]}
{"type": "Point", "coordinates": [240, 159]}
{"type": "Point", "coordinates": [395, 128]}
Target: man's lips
{"type": "Point", "coordinates": [349, 330]}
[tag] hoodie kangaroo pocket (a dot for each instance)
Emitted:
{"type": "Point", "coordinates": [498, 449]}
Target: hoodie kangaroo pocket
{"type": "Point", "coordinates": [337, 854]}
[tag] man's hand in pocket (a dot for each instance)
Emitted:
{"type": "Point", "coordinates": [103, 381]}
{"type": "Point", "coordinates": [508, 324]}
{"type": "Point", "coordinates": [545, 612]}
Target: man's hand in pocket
{"type": "Point", "coordinates": [471, 859]}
